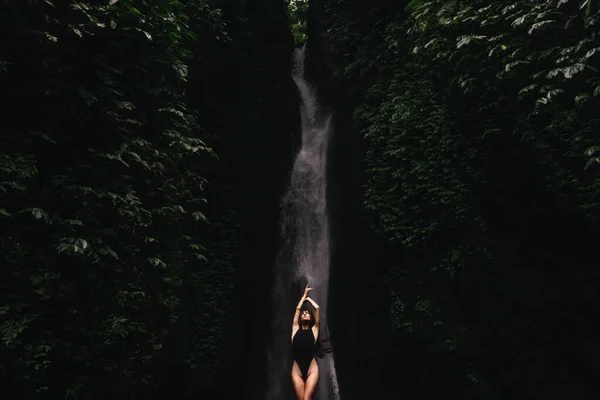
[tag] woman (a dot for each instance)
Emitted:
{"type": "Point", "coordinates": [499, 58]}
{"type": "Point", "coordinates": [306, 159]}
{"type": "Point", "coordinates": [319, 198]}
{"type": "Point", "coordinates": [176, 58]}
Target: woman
{"type": "Point", "coordinates": [305, 331]}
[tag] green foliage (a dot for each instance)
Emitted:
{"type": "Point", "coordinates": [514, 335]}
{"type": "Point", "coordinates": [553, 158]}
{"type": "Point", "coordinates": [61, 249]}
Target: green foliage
{"type": "Point", "coordinates": [107, 279]}
{"type": "Point", "coordinates": [480, 128]}
{"type": "Point", "coordinates": [297, 16]}
{"type": "Point", "coordinates": [537, 63]}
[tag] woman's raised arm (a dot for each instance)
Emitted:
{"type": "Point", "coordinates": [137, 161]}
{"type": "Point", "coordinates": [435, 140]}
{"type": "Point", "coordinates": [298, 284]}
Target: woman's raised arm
{"type": "Point", "coordinates": [317, 312]}
{"type": "Point", "coordinates": [295, 322]}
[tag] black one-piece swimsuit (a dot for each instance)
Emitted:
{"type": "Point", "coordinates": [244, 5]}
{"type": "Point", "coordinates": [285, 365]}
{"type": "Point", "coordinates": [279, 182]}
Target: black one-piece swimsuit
{"type": "Point", "coordinates": [303, 350]}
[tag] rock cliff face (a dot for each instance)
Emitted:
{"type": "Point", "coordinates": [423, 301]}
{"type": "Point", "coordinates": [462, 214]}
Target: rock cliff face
{"type": "Point", "coordinates": [355, 282]}
{"type": "Point", "coordinates": [254, 120]}
{"type": "Point", "coordinates": [262, 136]}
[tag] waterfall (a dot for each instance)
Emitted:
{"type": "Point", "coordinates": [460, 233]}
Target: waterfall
{"type": "Point", "coordinates": [304, 253]}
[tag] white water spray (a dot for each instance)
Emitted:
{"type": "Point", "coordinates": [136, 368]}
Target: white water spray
{"type": "Point", "coordinates": [304, 256]}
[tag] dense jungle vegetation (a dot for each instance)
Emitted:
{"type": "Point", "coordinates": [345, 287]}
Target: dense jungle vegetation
{"type": "Point", "coordinates": [479, 123]}
{"type": "Point", "coordinates": [145, 145]}
{"type": "Point", "coordinates": [134, 172]}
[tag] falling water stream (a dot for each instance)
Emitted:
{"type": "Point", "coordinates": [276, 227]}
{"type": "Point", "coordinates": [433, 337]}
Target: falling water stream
{"type": "Point", "coordinates": [304, 254]}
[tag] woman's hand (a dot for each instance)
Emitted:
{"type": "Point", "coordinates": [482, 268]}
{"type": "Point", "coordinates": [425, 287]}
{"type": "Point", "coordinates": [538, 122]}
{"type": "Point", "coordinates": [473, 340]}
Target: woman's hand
{"type": "Point", "coordinates": [306, 290]}
{"type": "Point", "coordinates": [303, 299]}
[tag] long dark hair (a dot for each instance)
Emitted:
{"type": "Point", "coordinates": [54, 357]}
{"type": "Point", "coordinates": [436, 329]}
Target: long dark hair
{"type": "Point", "coordinates": [323, 345]}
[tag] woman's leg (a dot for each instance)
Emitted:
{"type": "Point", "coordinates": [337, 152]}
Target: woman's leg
{"type": "Point", "coordinates": [298, 382]}
{"type": "Point", "coordinates": [311, 380]}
